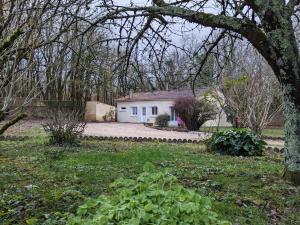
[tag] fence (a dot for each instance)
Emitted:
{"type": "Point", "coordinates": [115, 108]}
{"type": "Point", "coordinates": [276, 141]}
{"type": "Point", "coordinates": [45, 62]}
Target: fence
{"type": "Point", "coordinates": [37, 109]}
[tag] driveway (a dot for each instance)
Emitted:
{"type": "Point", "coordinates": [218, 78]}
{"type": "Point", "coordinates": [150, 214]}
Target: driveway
{"type": "Point", "coordinates": [29, 127]}
{"type": "Point", "coordinates": [139, 130]}
{"type": "Point", "coordinates": [136, 130]}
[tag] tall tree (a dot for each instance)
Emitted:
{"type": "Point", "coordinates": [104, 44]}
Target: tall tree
{"type": "Point", "coordinates": [267, 25]}
{"type": "Point", "coordinates": [25, 27]}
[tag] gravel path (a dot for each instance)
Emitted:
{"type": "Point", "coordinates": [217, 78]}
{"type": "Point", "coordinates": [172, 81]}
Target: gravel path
{"type": "Point", "coordinates": [275, 143]}
{"type": "Point", "coordinates": [120, 130]}
{"type": "Point", "coordinates": [137, 130]}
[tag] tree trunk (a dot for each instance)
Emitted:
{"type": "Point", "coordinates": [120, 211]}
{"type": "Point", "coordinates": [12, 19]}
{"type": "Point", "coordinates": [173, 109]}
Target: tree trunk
{"type": "Point", "coordinates": [287, 70]}
{"type": "Point", "coordinates": [2, 117]}
{"type": "Point", "coordinates": [292, 139]}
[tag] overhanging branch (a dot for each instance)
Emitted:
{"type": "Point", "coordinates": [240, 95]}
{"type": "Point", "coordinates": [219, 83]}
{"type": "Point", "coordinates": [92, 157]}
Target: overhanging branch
{"type": "Point", "coordinates": [244, 27]}
{"type": "Point", "coordinates": [291, 6]}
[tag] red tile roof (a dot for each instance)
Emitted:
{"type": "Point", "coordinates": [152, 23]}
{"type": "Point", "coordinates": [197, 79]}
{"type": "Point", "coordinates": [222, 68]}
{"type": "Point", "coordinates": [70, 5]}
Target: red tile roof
{"type": "Point", "coordinates": [161, 95]}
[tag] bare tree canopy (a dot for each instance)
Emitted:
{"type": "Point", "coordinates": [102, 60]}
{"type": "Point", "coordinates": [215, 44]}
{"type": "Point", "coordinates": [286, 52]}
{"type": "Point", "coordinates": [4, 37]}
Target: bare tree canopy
{"type": "Point", "coordinates": [248, 90]}
{"type": "Point", "coordinates": [270, 26]}
{"type": "Point", "coordinates": [44, 42]}
{"type": "Point", "coordinates": [70, 45]}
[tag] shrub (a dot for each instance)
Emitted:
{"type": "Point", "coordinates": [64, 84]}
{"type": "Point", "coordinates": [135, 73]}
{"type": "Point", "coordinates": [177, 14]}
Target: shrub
{"type": "Point", "coordinates": [154, 198]}
{"type": "Point", "coordinates": [162, 120]}
{"type": "Point", "coordinates": [194, 112]}
{"type": "Point", "coordinates": [64, 128]}
{"type": "Point", "coordinates": [237, 142]}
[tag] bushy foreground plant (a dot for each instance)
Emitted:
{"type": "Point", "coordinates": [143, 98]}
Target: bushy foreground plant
{"type": "Point", "coordinates": [162, 120]}
{"type": "Point", "coordinates": [154, 198]}
{"type": "Point", "coordinates": [237, 142]}
{"type": "Point", "coordinates": [64, 128]}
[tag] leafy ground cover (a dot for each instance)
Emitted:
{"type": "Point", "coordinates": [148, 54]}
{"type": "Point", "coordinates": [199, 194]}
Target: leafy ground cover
{"type": "Point", "coordinates": [268, 132]}
{"type": "Point", "coordinates": [39, 183]}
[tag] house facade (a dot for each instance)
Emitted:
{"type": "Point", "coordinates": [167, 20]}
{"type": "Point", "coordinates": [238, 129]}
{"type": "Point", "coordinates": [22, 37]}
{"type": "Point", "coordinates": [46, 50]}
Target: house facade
{"type": "Point", "coordinates": [145, 111]}
{"type": "Point", "coordinates": [144, 107]}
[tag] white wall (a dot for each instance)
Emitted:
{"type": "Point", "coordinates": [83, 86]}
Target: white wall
{"type": "Point", "coordinates": [125, 116]}
{"type": "Point", "coordinates": [220, 120]}
{"type": "Point", "coordinates": [95, 111]}
{"type": "Point", "coordinates": [163, 107]}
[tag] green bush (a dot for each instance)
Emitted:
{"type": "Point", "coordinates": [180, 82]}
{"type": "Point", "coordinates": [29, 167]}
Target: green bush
{"type": "Point", "coordinates": [162, 120]}
{"type": "Point", "coordinates": [237, 142]}
{"type": "Point", "coordinates": [154, 198]}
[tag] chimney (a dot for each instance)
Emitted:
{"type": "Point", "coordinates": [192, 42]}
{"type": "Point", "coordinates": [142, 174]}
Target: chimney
{"type": "Point", "coordinates": [130, 94]}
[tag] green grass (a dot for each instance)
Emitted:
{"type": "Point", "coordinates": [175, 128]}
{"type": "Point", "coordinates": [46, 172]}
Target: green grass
{"type": "Point", "coordinates": [39, 187]}
{"type": "Point", "coordinates": [268, 132]}
{"type": "Point", "coordinates": [273, 132]}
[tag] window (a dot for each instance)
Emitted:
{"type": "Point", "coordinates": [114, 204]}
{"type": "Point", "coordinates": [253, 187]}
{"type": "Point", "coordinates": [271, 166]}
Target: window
{"type": "Point", "coordinates": [173, 114]}
{"type": "Point", "coordinates": [144, 111]}
{"type": "Point", "coordinates": [154, 110]}
{"type": "Point", "coordinates": [134, 111]}
{"type": "Point", "coordinates": [123, 109]}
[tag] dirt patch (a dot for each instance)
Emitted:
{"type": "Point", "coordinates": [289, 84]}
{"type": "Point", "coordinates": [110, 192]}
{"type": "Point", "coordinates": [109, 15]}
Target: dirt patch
{"type": "Point", "coordinates": [24, 127]}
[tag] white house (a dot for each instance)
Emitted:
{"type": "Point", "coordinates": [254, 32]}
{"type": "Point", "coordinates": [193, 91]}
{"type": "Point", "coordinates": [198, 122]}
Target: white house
{"type": "Point", "coordinates": [144, 107]}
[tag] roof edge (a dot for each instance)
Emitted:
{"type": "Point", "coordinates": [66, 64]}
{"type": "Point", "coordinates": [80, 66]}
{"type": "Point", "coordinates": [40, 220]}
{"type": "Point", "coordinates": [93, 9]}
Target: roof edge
{"type": "Point", "coordinates": [147, 100]}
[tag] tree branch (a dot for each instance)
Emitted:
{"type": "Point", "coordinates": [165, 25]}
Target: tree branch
{"type": "Point", "coordinates": [291, 6]}
{"type": "Point", "coordinates": [258, 7]}
{"type": "Point", "coordinates": [246, 28]}
{"type": "Point", "coordinates": [11, 39]}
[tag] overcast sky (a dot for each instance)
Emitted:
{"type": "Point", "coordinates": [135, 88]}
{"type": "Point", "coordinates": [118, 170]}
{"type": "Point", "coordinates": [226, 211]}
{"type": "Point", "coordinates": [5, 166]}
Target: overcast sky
{"type": "Point", "coordinates": [183, 31]}
{"type": "Point", "coordinates": [135, 2]}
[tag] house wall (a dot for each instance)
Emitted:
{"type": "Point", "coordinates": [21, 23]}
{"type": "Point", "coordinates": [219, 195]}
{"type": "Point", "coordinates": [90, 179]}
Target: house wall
{"type": "Point", "coordinates": [125, 115]}
{"type": "Point", "coordinates": [221, 121]}
{"type": "Point", "coordinates": [221, 118]}
{"type": "Point", "coordinates": [95, 111]}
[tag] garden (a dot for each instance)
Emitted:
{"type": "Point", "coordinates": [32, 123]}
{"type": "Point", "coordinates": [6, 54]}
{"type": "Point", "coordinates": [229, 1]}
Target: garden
{"type": "Point", "coordinates": [56, 56]}
{"type": "Point", "coordinates": [44, 184]}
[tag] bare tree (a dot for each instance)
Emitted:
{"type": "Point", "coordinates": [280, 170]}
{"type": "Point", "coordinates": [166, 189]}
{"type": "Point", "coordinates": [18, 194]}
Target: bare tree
{"type": "Point", "coordinates": [248, 91]}
{"type": "Point", "coordinates": [26, 27]}
{"type": "Point", "coordinates": [251, 101]}
{"type": "Point", "coordinates": [267, 25]}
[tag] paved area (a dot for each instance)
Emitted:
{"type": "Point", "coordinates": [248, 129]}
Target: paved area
{"type": "Point", "coordinates": [137, 130]}
{"type": "Point", "coordinates": [275, 143]}
{"type": "Point", "coordinates": [30, 127]}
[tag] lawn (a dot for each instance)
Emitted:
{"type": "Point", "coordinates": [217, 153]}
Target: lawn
{"type": "Point", "coordinates": [268, 132]}
{"type": "Point", "coordinates": [39, 184]}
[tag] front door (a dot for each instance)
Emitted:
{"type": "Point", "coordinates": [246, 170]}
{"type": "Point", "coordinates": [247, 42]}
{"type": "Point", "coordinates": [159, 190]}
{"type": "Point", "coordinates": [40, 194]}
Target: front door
{"type": "Point", "coordinates": [144, 115]}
